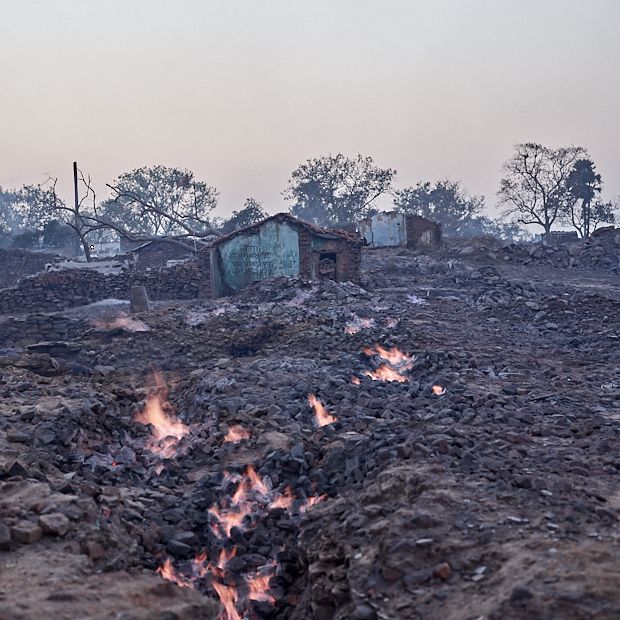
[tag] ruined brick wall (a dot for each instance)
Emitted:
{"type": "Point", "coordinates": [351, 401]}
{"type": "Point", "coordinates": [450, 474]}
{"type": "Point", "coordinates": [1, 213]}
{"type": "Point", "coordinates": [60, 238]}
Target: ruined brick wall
{"type": "Point", "coordinates": [15, 264]}
{"type": "Point", "coordinates": [422, 232]}
{"type": "Point", "coordinates": [348, 256]}
{"type": "Point", "coordinates": [306, 265]}
{"type": "Point", "coordinates": [70, 288]}
{"type": "Point", "coordinates": [155, 255]}
{"type": "Point", "coordinates": [203, 262]}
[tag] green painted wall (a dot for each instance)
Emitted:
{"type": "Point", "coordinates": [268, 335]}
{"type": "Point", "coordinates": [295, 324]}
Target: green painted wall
{"type": "Point", "coordinates": [272, 251]}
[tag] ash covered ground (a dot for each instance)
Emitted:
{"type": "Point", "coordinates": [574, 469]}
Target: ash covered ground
{"type": "Point", "coordinates": [439, 442]}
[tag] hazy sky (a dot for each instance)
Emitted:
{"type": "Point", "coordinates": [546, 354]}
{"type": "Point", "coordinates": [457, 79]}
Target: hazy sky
{"type": "Point", "coordinates": [242, 91]}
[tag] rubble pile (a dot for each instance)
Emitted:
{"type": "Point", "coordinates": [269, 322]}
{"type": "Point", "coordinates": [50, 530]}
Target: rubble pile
{"type": "Point", "coordinates": [600, 251]}
{"type": "Point", "coordinates": [57, 290]}
{"type": "Point", "coordinates": [440, 441]}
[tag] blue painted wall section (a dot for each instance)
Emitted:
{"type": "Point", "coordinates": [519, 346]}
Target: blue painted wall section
{"type": "Point", "coordinates": [271, 250]}
{"type": "Point", "coordinates": [384, 229]}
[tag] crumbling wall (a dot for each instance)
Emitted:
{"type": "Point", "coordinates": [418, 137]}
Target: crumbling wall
{"type": "Point", "coordinates": [422, 232]}
{"type": "Point", "coordinates": [313, 250]}
{"type": "Point", "coordinates": [16, 264]}
{"type": "Point", "coordinates": [70, 288]}
{"type": "Point", "coordinates": [262, 253]}
{"type": "Point", "coordinates": [384, 229]}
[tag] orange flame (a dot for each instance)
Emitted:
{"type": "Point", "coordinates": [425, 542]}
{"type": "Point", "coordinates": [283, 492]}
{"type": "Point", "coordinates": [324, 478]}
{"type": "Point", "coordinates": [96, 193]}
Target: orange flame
{"type": "Point", "coordinates": [438, 390]}
{"type": "Point", "coordinates": [355, 380]}
{"type": "Point", "coordinates": [251, 485]}
{"type": "Point", "coordinates": [285, 500]}
{"type": "Point", "coordinates": [167, 430]}
{"type": "Point", "coordinates": [385, 373]}
{"type": "Point", "coordinates": [312, 501]}
{"type": "Point", "coordinates": [394, 355]}
{"type": "Point", "coordinates": [236, 433]}
{"type": "Point", "coordinates": [322, 416]}
{"type": "Point", "coordinates": [397, 362]}
{"type": "Point", "coordinates": [258, 585]}
{"type": "Point", "coordinates": [228, 597]}
{"type": "Point", "coordinates": [225, 557]}
{"type": "Point", "coordinates": [230, 517]}
{"type": "Point", "coordinates": [166, 570]}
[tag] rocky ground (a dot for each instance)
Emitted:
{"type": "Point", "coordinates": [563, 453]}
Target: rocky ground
{"type": "Point", "coordinates": [439, 442]}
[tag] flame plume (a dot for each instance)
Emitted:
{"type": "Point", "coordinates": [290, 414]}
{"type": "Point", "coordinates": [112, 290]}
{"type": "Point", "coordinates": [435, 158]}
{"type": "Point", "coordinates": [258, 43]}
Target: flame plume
{"type": "Point", "coordinates": [166, 570]}
{"type": "Point", "coordinates": [321, 415]}
{"type": "Point", "coordinates": [397, 362]}
{"type": "Point", "coordinates": [258, 584]}
{"type": "Point", "coordinates": [236, 433]}
{"type": "Point", "coordinates": [167, 430]}
{"type": "Point", "coordinates": [385, 373]}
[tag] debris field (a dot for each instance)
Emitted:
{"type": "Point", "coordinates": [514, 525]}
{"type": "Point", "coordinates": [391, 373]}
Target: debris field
{"type": "Point", "coordinates": [440, 441]}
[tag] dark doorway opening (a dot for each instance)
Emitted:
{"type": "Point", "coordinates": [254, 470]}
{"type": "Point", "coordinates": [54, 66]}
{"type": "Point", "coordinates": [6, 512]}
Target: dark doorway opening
{"type": "Point", "coordinates": [327, 265]}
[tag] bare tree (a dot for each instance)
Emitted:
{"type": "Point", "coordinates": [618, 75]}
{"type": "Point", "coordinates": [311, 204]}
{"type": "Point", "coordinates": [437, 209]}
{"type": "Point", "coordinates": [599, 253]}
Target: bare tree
{"type": "Point", "coordinates": [534, 185]}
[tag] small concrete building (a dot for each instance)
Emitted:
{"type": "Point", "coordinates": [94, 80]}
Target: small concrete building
{"type": "Point", "coordinates": [392, 228]}
{"type": "Point", "coordinates": [281, 245]}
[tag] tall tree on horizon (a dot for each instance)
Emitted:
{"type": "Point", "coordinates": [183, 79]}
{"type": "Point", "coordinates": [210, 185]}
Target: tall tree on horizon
{"type": "Point", "coordinates": [334, 190]}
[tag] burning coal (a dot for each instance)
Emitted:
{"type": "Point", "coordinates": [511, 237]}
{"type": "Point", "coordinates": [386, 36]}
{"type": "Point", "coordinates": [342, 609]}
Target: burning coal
{"type": "Point", "coordinates": [438, 390]}
{"type": "Point", "coordinates": [321, 415]}
{"type": "Point", "coordinates": [395, 363]}
{"type": "Point", "coordinates": [253, 498]}
{"type": "Point", "coordinates": [166, 429]}
{"type": "Point", "coordinates": [236, 433]}
{"type": "Point", "coordinates": [357, 324]}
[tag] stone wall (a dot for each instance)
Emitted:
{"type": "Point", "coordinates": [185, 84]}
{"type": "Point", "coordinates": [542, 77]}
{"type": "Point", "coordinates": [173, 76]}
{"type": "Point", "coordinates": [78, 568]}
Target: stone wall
{"type": "Point", "coordinates": [67, 289]}
{"type": "Point", "coordinates": [39, 327]}
{"type": "Point", "coordinates": [16, 264]}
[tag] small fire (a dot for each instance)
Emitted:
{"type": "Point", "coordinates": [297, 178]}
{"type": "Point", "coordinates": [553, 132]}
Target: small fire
{"type": "Point", "coordinates": [322, 416]}
{"type": "Point", "coordinates": [357, 324]}
{"type": "Point", "coordinates": [438, 390]}
{"type": "Point", "coordinates": [228, 597]}
{"type": "Point", "coordinates": [166, 570]}
{"type": "Point", "coordinates": [258, 584]}
{"type": "Point", "coordinates": [312, 501]}
{"type": "Point", "coordinates": [250, 488]}
{"type": "Point", "coordinates": [225, 557]}
{"type": "Point", "coordinates": [236, 433]}
{"type": "Point", "coordinates": [167, 430]}
{"type": "Point", "coordinates": [122, 322]}
{"type": "Point", "coordinates": [394, 355]}
{"type": "Point", "coordinates": [355, 380]}
{"type": "Point", "coordinates": [385, 373]}
{"type": "Point", "coordinates": [285, 500]}
{"type": "Point", "coordinates": [397, 363]}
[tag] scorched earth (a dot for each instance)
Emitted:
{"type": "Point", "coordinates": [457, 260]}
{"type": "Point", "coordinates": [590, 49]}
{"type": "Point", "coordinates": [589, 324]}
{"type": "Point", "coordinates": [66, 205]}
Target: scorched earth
{"type": "Point", "coordinates": [440, 442]}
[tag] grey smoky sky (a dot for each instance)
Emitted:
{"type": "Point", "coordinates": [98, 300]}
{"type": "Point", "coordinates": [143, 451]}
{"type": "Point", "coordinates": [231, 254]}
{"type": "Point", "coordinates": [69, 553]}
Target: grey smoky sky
{"type": "Point", "coordinates": [242, 91]}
